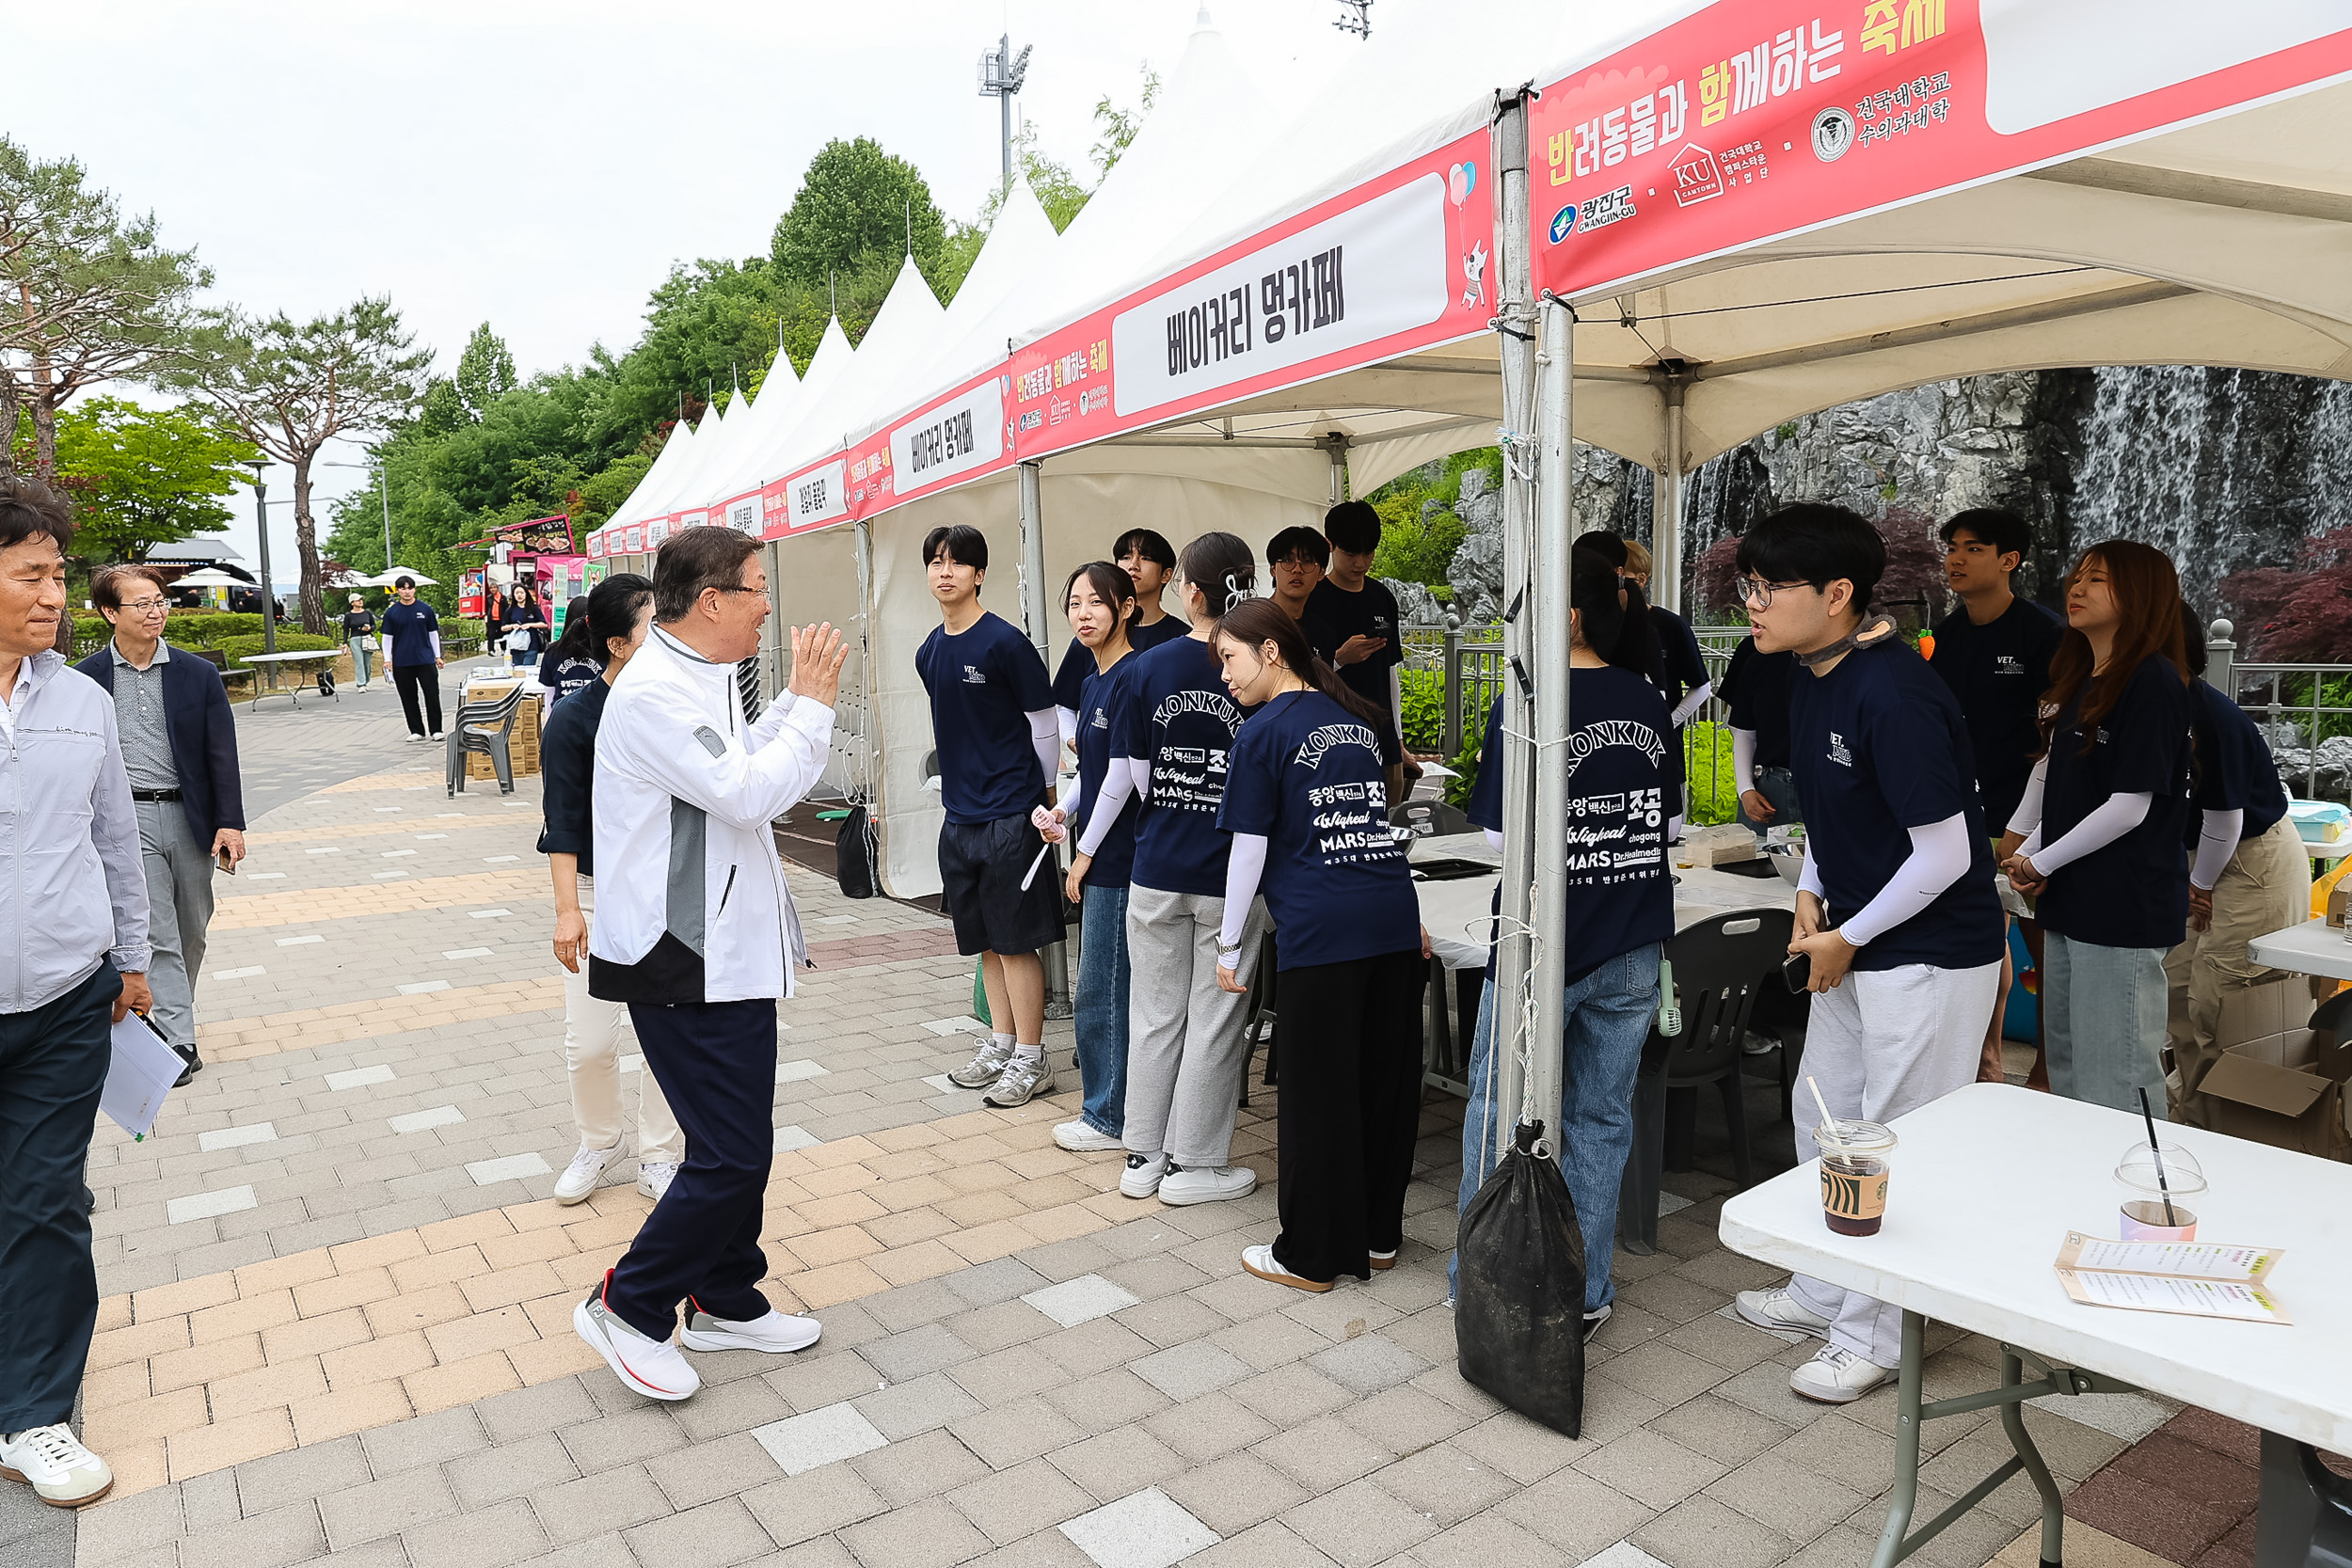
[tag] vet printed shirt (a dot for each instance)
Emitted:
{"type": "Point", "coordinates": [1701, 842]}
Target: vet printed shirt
{"type": "Point", "coordinates": [1099, 697]}
{"type": "Point", "coordinates": [1878, 747]}
{"type": "Point", "coordinates": [2134, 892]}
{"type": "Point", "coordinates": [1998, 672]}
{"type": "Point", "coordinates": [984, 682]}
{"type": "Point", "coordinates": [1333, 615]}
{"type": "Point", "coordinates": [409, 629]}
{"type": "Point", "coordinates": [1307, 774]}
{"type": "Point", "coordinates": [1176, 714]}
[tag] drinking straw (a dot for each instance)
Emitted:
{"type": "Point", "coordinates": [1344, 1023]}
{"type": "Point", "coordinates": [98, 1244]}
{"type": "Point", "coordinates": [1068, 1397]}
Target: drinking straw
{"type": "Point", "coordinates": [2163, 1186]}
{"type": "Point", "coordinates": [1031, 874]}
{"type": "Point", "coordinates": [1827, 1120]}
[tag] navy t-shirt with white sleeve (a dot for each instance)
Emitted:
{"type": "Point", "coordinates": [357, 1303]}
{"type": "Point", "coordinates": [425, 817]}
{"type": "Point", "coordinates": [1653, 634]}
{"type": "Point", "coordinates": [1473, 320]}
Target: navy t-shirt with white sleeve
{"type": "Point", "coordinates": [1998, 672]}
{"type": "Point", "coordinates": [1099, 698]}
{"type": "Point", "coordinates": [2134, 891]}
{"type": "Point", "coordinates": [1620, 894]}
{"type": "Point", "coordinates": [409, 629]}
{"type": "Point", "coordinates": [984, 681]}
{"type": "Point", "coordinates": [1176, 714]}
{"type": "Point", "coordinates": [2235, 770]}
{"type": "Point", "coordinates": [1878, 747]}
{"type": "Point", "coordinates": [1307, 774]}
{"type": "Point", "coordinates": [1755, 687]}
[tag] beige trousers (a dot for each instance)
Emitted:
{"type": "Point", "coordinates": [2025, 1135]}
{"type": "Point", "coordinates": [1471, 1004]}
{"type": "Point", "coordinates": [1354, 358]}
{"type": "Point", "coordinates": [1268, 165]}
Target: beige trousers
{"type": "Point", "coordinates": [2265, 887]}
{"type": "Point", "coordinates": [592, 1053]}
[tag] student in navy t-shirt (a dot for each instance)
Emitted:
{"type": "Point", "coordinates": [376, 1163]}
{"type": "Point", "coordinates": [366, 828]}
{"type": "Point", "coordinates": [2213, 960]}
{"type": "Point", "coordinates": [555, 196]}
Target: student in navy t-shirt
{"type": "Point", "coordinates": [412, 650]}
{"type": "Point", "coordinates": [1306, 802]}
{"type": "Point", "coordinates": [1099, 598]}
{"type": "Point", "coordinates": [992, 721]}
{"type": "Point", "coordinates": [1620, 910]}
{"type": "Point", "coordinates": [1173, 727]}
{"type": "Point", "coordinates": [1755, 687]}
{"type": "Point", "coordinates": [1896, 914]}
{"type": "Point", "coordinates": [2105, 817]}
{"type": "Point", "coordinates": [1351, 618]}
{"type": "Point", "coordinates": [1686, 687]}
{"type": "Point", "coordinates": [2249, 875]}
{"type": "Point", "coordinates": [1148, 625]}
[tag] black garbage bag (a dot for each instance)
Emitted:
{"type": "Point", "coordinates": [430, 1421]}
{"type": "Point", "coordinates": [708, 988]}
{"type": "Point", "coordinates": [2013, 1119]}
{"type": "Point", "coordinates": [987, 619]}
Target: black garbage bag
{"type": "Point", "coordinates": [857, 861]}
{"type": "Point", "coordinates": [1519, 1315]}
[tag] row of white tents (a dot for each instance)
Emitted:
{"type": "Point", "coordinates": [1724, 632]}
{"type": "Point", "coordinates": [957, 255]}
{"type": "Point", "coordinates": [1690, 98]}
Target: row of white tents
{"type": "Point", "coordinates": [2224, 238]}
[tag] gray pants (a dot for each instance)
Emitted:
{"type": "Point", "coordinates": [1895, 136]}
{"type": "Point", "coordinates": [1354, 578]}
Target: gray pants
{"type": "Point", "coordinates": [1185, 1050]}
{"type": "Point", "coordinates": [180, 907]}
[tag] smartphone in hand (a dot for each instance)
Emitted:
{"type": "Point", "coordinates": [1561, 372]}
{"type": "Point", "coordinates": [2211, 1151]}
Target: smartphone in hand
{"type": "Point", "coordinates": [1796, 972]}
{"type": "Point", "coordinates": [221, 859]}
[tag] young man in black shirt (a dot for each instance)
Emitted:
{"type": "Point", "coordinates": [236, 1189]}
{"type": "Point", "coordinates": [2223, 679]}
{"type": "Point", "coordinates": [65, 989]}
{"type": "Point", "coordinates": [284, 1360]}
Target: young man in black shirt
{"type": "Point", "coordinates": [1296, 559]}
{"type": "Point", "coordinates": [1994, 654]}
{"type": "Point", "coordinates": [1352, 619]}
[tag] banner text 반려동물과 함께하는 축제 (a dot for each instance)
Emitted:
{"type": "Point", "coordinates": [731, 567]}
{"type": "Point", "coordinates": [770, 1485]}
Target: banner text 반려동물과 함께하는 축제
{"type": "Point", "coordinates": [1754, 120]}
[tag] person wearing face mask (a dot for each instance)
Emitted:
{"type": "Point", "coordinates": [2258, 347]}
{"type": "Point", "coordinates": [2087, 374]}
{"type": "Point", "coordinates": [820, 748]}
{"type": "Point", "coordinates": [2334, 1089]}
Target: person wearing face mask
{"type": "Point", "coordinates": [2103, 817]}
{"type": "Point", "coordinates": [413, 639]}
{"type": "Point", "coordinates": [1897, 915]}
{"type": "Point", "coordinates": [1100, 600]}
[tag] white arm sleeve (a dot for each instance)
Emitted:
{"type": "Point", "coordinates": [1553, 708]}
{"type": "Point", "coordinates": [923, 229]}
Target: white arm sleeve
{"type": "Point", "coordinates": [2026, 818]}
{"type": "Point", "coordinates": [1691, 704]}
{"type": "Point", "coordinates": [1396, 700]}
{"type": "Point", "coordinates": [2110, 820]}
{"type": "Point", "coordinates": [1068, 717]}
{"type": "Point", "coordinates": [1494, 839]}
{"type": "Point", "coordinates": [1243, 869]}
{"type": "Point", "coordinates": [2217, 841]}
{"type": "Point", "coordinates": [1940, 853]}
{"type": "Point", "coordinates": [1045, 735]}
{"type": "Point", "coordinates": [1118, 784]}
{"type": "Point", "coordinates": [1809, 879]}
{"type": "Point", "coordinates": [1743, 760]}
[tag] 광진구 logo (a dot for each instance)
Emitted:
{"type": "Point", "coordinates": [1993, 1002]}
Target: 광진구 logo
{"type": "Point", "coordinates": [1563, 223]}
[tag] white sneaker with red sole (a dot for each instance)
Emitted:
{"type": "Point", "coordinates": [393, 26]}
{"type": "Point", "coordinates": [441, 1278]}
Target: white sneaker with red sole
{"type": "Point", "coordinates": [654, 1368]}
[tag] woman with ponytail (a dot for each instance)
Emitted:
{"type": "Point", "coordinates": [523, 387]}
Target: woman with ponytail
{"type": "Point", "coordinates": [1306, 799]}
{"type": "Point", "coordinates": [1172, 731]}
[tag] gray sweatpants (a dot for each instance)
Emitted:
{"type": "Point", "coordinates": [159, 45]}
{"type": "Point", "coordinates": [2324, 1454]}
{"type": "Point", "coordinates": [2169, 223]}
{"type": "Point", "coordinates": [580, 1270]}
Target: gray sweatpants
{"type": "Point", "coordinates": [1185, 1050]}
{"type": "Point", "coordinates": [180, 907]}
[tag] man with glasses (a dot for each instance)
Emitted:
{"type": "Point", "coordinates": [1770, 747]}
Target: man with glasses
{"type": "Point", "coordinates": [1895, 912]}
{"type": "Point", "coordinates": [1298, 559]}
{"type": "Point", "coordinates": [180, 747]}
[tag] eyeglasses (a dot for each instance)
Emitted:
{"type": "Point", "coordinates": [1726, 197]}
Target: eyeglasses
{"type": "Point", "coordinates": [148, 607]}
{"type": "Point", "coordinates": [1758, 592]}
{"type": "Point", "coordinates": [735, 589]}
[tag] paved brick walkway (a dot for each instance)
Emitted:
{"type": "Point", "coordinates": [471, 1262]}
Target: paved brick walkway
{"type": "Point", "coordinates": [336, 1321]}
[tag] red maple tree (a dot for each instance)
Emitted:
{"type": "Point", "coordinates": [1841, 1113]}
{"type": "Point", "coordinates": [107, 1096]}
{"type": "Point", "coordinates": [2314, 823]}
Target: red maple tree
{"type": "Point", "coordinates": [2302, 614]}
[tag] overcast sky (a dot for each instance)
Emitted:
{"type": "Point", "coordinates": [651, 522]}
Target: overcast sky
{"type": "Point", "coordinates": [540, 165]}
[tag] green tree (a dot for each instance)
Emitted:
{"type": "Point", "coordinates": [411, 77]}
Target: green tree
{"type": "Point", "coordinates": [485, 372]}
{"type": "Point", "coordinates": [144, 477]}
{"type": "Point", "coordinates": [1116, 126]}
{"type": "Point", "coordinates": [856, 200]}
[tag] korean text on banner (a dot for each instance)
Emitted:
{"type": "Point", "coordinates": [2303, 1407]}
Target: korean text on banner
{"type": "Point", "coordinates": [742, 514]}
{"type": "Point", "coordinates": [1752, 120]}
{"type": "Point", "coordinates": [817, 496]}
{"type": "Point", "coordinates": [950, 440]}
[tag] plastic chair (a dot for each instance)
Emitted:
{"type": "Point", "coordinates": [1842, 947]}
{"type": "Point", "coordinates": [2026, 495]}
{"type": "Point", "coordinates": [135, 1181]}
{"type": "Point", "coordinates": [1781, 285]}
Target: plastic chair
{"type": "Point", "coordinates": [1429, 818]}
{"type": "Point", "coordinates": [485, 727]}
{"type": "Point", "coordinates": [1720, 965]}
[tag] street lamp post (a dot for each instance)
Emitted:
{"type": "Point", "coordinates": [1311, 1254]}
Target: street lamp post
{"type": "Point", "coordinates": [1002, 72]}
{"type": "Point", "coordinates": [261, 523]}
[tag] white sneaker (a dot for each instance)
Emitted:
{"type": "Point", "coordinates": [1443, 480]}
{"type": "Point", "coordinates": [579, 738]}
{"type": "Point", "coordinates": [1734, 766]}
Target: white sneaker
{"type": "Point", "coordinates": [436, 735]}
{"type": "Point", "coordinates": [1142, 1178]}
{"type": "Point", "coordinates": [1024, 1079]}
{"type": "Point", "coordinates": [653, 1368]}
{"type": "Point", "coordinates": [587, 1168]}
{"type": "Point", "coordinates": [1837, 1376]}
{"type": "Point", "coordinates": [1260, 1261]}
{"type": "Point", "coordinates": [1080, 1138]}
{"type": "Point", "coordinates": [984, 1068]}
{"type": "Point", "coordinates": [415, 738]}
{"type": "Point", "coordinates": [654, 1178]}
{"type": "Point", "coordinates": [776, 1333]}
{"type": "Point", "coordinates": [54, 1462]}
{"type": "Point", "coordinates": [1781, 1312]}
{"type": "Point", "coordinates": [1215, 1184]}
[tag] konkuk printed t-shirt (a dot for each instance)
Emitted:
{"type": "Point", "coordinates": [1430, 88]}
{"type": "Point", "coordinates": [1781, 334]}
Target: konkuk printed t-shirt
{"type": "Point", "coordinates": [2133, 892]}
{"type": "Point", "coordinates": [1621, 894]}
{"type": "Point", "coordinates": [983, 682]}
{"type": "Point", "coordinates": [1307, 774]}
{"type": "Point", "coordinates": [1176, 714]}
{"type": "Point", "coordinates": [1878, 747]}
{"type": "Point", "coordinates": [1099, 696]}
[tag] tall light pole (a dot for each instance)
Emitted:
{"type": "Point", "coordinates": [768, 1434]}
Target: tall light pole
{"type": "Point", "coordinates": [384, 487]}
{"type": "Point", "coordinates": [1002, 72]}
{"type": "Point", "coordinates": [261, 523]}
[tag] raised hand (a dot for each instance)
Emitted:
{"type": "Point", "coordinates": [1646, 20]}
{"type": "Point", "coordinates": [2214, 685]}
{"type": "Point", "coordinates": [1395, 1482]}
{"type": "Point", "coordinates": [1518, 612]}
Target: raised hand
{"type": "Point", "coordinates": [817, 655]}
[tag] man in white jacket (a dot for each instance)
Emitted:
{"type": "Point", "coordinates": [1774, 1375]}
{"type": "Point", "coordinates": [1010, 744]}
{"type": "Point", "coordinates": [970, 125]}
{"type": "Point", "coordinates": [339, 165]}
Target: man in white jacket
{"type": "Point", "coordinates": [695, 931]}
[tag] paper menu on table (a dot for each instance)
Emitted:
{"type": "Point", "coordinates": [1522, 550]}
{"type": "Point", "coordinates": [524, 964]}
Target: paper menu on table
{"type": "Point", "coordinates": [2196, 1279]}
{"type": "Point", "coordinates": [142, 1073]}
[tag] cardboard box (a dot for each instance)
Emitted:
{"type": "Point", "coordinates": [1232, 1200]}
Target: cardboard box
{"type": "Point", "coordinates": [2286, 1089]}
{"type": "Point", "coordinates": [1720, 845]}
{"type": "Point", "coordinates": [2270, 1023]}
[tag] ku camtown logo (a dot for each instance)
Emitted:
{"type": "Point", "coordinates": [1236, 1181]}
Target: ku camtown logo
{"type": "Point", "coordinates": [1697, 177]}
{"type": "Point", "coordinates": [1837, 752]}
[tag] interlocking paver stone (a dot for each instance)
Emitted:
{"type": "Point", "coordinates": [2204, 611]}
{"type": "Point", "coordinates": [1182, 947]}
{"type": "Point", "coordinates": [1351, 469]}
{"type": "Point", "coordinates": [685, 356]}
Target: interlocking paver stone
{"type": "Point", "coordinates": [799, 1443]}
{"type": "Point", "coordinates": [1147, 1529]}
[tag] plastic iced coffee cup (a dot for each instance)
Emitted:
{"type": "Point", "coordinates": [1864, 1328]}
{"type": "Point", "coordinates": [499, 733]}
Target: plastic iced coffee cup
{"type": "Point", "coordinates": [1855, 1161]}
{"type": "Point", "coordinates": [2145, 1215]}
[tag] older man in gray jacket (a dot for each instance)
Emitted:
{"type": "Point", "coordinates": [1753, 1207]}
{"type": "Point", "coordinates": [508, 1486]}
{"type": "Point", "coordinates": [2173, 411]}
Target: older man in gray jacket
{"type": "Point", "coordinates": [73, 957]}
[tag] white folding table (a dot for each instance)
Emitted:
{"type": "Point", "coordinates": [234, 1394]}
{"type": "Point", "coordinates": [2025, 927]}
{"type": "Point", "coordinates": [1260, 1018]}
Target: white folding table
{"type": "Point", "coordinates": [271, 662]}
{"type": "Point", "coordinates": [1984, 1186]}
{"type": "Point", "coordinates": [2313, 947]}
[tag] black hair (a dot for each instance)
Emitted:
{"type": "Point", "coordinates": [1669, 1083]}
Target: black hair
{"type": "Point", "coordinates": [2193, 645]}
{"type": "Point", "coordinates": [1109, 582]}
{"type": "Point", "coordinates": [696, 559]}
{"type": "Point", "coordinates": [1593, 594]}
{"type": "Point", "coordinates": [28, 507]}
{"type": "Point", "coordinates": [1605, 543]}
{"type": "Point", "coordinates": [965, 546]}
{"type": "Point", "coordinates": [1148, 543]}
{"type": "Point", "coordinates": [1220, 565]}
{"type": "Point", "coordinates": [1353, 526]}
{"type": "Point", "coordinates": [403, 581]}
{"type": "Point", "coordinates": [611, 610]}
{"type": "Point", "coordinates": [1815, 544]}
{"type": "Point", "coordinates": [106, 589]}
{"type": "Point", "coordinates": [1254, 623]}
{"type": "Point", "coordinates": [1295, 542]}
{"type": "Point", "coordinates": [1998, 526]}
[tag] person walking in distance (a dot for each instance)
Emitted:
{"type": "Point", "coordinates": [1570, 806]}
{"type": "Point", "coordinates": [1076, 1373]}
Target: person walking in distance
{"type": "Point", "coordinates": [412, 631]}
{"type": "Point", "coordinates": [999, 741]}
{"type": "Point", "coordinates": [180, 748]}
{"type": "Point", "coordinates": [359, 628]}
{"type": "Point", "coordinates": [591, 1029]}
{"type": "Point", "coordinates": [697, 933]}
{"type": "Point", "coordinates": [73, 960]}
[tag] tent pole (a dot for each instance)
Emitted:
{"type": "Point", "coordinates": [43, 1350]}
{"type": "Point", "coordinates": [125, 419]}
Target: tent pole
{"type": "Point", "coordinates": [1555, 531]}
{"type": "Point", "coordinates": [1516, 320]}
{"type": "Point", "coordinates": [1055, 955]}
{"type": "Point", "coordinates": [866, 782]}
{"type": "Point", "coordinates": [1666, 509]}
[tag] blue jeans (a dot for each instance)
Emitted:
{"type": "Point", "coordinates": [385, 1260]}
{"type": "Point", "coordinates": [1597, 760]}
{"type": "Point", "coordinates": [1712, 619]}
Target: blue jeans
{"type": "Point", "coordinates": [359, 662]}
{"type": "Point", "coordinates": [1779, 788]}
{"type": "Point", "coordinates": [2103, 1021]}
{"type": "Point", "coordinates": [1609, 1018]}
{"type": "Point", "coordinates": [1101, 1007]}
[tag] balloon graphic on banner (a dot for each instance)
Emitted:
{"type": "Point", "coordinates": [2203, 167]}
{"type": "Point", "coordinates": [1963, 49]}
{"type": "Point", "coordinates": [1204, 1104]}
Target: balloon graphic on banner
{"type": "Point", "coordinates": [1460, 181]}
